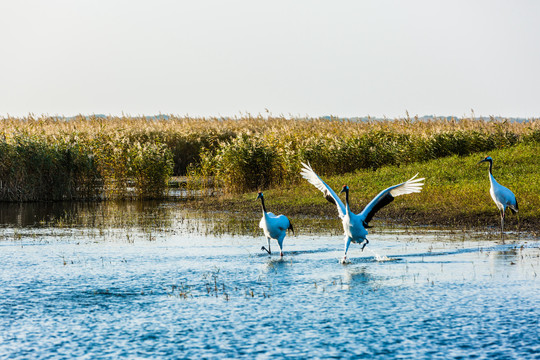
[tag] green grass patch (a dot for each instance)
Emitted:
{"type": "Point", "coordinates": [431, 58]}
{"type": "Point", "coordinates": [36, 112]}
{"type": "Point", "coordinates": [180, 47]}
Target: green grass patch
{"type": "Point", "coordinates": [456, 192]}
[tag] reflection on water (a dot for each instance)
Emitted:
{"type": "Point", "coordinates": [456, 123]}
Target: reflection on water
{"type": "Point", "coordinates": [144, 215]}
{"type": "Point", "coordinates": [85, 214]}
{"type": "Point", "coordinates": [153, 280]}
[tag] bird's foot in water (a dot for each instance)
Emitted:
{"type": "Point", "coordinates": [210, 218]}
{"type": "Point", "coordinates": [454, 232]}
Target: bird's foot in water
{"type": "Point", "coordinates": [365, 243]}
{"type": "Point", "coordinates": [281, 254]}
{"type": "Point", "coordinates": [268, 251]}
{"type": "Point", "coordinates": [344, 260]}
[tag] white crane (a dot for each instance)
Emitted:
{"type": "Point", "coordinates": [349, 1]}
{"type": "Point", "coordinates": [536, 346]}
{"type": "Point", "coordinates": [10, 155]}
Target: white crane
{"type": "Point", "coordinates": [274, 227]}
{"type": "Point", "coordinates": [502, 196]}
{"type": "Point", "coordinates": [355, 225]}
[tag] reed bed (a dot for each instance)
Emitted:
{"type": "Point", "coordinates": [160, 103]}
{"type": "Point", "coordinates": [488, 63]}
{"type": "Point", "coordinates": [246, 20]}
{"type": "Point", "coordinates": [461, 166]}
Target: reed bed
{"type": "Point", "coordinates": [95, 157]}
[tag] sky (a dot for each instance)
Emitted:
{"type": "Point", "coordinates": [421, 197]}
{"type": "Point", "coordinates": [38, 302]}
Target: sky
{"type": "Point", "coordinates": [295, 58]}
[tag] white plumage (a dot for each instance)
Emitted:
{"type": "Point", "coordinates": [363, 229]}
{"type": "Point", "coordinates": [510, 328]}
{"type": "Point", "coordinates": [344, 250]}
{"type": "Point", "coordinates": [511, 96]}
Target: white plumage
{"type": "Point", "coordinates": [502, 196]}
{"type": "Point", "coordinates": [274, 227]}
{"type": "Point", "coordinates": [355, 225]}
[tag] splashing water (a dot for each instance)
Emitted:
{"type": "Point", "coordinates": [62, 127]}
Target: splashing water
{"type": "Point", "coordinates": [379, 257]}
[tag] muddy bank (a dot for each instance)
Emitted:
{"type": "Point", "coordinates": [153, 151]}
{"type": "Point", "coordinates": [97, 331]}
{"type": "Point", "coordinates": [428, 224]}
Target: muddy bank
{"type": "Point", "coordinates": [394, 215]}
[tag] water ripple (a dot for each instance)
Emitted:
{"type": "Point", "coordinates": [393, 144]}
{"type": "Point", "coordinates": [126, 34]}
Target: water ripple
{"type": "Point", "coordinates": [184, 296]}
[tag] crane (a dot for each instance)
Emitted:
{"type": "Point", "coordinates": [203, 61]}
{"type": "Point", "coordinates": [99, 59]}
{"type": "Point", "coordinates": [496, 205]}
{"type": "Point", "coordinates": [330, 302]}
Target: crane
{"type": "Point", "coordinates": [355, 225]}
{"type": "Point", "coordinates": [501, 195]}
{"type": "Point", "coordinates": [274, 227]}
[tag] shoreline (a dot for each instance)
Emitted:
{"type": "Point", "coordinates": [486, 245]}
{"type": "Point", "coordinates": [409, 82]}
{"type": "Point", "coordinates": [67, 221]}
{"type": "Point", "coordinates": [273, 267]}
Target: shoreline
{"type": "Point", "coordinates": [400, 217]}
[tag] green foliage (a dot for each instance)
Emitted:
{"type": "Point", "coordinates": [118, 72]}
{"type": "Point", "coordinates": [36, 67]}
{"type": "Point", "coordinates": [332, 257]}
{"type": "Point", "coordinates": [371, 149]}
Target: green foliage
{"type": "Point", "coordinates": [130, 168]}
{"type": "Point", "coordinates": [74, 167]}
{"type": "Point", "coordinates": [186, 148]}
{"type": "Point", "coordinates": [242, 164]}
{"type": "Point", "coordinates": [33, 169]}
{"type": "Point", "coordinates": [150, 169]}
{"type": "Point", "coordinates": [456, 142]}
{"type": "Point", "coordinates": [532, 137]}
{"type": "Point", "coordinates": [342, 155]}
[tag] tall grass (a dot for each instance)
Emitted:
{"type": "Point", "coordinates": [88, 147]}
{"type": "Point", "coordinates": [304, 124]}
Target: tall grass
{"type": "Point", "coordinates": [262, 160]}
{"type": "Point", "coordinates": [33, 169]}
{"type": "Point", "coordinates": [119, 157]}
{"type": "Point", "coordinates": [79, 167]}
{"type": "Point", "coordinates": [242, 164]}
{"type": "Point", "coordinates": [129, 167]}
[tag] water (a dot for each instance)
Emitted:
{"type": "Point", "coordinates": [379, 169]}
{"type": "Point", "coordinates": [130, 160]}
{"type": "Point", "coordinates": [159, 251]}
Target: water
{"type": "Point", "coordinates": [154, 281]}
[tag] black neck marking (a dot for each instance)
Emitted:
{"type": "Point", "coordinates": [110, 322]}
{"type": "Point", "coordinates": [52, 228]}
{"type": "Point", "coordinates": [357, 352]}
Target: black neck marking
{"type": "Point", "coordinates": [262, 202]}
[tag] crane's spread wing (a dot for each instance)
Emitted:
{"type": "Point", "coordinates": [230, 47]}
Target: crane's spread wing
{"type": "Point", "coordinates": [386, 196]}
{"type": "Point", "coordinates": [308, 174]}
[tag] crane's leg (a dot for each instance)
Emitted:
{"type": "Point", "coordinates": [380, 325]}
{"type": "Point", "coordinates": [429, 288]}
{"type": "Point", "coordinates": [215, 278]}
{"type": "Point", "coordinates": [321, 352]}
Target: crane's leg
{"type": "Point", "coordinates": [519, 225]}
{"type": "Point", "coordinates": [267, 250]}
{"type": "Point", "coordinates": [280, 243]}
{"type": "Point", "coordinates": [365, 243]}
{"type": "Point", "coordinates": [347, 244]}
{"type": "Point", "coordinates": [502, 225]}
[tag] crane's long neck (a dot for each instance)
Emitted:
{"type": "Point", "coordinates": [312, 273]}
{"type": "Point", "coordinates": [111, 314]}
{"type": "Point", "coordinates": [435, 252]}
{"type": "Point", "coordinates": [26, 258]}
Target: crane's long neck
{"type": "Point", "coordinates": [347, 208]}
{"type": "Point", "coordinates": [491, 178]}
{"type": "Point", "coordinates": [263, 207]}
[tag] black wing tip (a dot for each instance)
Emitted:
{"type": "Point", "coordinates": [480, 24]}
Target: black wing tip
{"type": "Point", "coordinates": [330, 199]}
{"type": "Point", "coordinates": [385, 200]}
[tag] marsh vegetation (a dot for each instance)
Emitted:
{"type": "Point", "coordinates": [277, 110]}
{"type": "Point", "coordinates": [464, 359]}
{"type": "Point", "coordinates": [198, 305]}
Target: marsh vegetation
{"type": "Point", "coordinates": [81, 158]}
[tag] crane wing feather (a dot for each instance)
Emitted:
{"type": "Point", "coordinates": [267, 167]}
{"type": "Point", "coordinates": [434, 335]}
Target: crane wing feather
{"type": "Point", "coordinates": [314, 179]}
{"type": "Point", "coordinates": [386, 196]}
{"type": "Point", "coordinates": [381, 202]}
{"type": "Point", "coordinates": [280, 222]}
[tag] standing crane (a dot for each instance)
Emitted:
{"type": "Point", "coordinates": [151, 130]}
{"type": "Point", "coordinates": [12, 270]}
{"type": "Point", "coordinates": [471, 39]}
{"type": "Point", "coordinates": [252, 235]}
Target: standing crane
{"type": "Point", "coordinates": [274, 227]}
{"type": "Point", "coordinates": [355, 225]}
{"type": "Point", "coordinates": [501, 195]}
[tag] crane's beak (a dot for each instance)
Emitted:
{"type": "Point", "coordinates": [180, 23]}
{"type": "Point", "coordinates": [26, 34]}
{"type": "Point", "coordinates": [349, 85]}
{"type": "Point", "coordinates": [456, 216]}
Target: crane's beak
{"type": "Point", "coordinates": [481, 161]}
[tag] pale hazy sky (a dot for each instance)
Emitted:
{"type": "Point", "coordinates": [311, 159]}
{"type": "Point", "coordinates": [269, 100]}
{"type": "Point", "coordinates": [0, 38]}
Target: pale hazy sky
{"type": "Point", "coordinates": [303, 57]}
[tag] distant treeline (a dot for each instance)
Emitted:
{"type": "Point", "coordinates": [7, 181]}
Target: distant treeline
{"type": "Point", "coordinates": [51, 158]}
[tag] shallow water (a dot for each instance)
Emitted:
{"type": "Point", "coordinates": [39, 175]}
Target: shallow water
{"type": "Point", "coordinates": [154, 281]}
